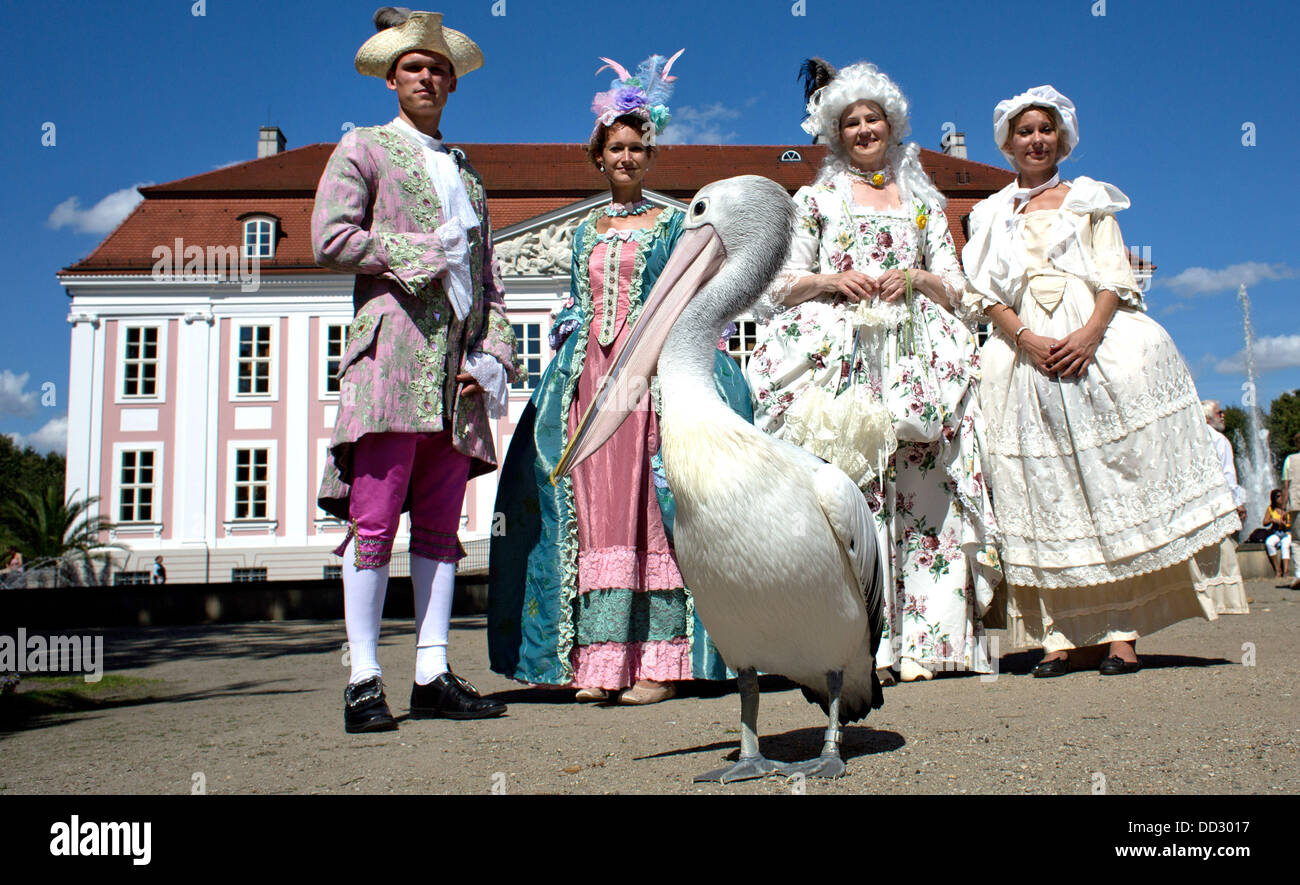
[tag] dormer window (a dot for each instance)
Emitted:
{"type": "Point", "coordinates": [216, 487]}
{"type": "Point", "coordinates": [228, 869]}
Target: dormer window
{"type": "Point", "coordinates": [259, 236]}
{"type": "Point", "coordinates": [791, 157]}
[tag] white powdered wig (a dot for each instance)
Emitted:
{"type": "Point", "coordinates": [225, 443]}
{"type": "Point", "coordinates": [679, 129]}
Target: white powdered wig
{"type": "Point", "coordinates": [865, 82]}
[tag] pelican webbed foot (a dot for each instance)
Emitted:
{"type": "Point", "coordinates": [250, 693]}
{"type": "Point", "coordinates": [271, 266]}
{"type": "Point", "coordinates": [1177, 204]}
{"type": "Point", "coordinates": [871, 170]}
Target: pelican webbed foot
{"type": "Point", "coordinates": [828, 764]}
{"type": "Point", "coordinates": [748, 768]}
{"type": "Point", "coordinates": [752, 763]}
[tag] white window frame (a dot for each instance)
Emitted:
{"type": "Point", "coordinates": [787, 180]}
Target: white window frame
{"type": "Point", "coordinates": [235, 325]}
{"type": "Point", "coordinates": [542, 347]}
{"type": "Point", "coordinates": [160, 376]}
{"type": "Point", "coordinates": [270, 522]}
{"type": "Point", "coordinates": [740, 325]}
{"type": "Point", "coordinates": [791, 156]}
{"type": "Point", "coordinates": [258, 220]}
{"type": "Point", "coordinates": [322, 392]}
{"type": "Point", "coordinates": [154, 525]}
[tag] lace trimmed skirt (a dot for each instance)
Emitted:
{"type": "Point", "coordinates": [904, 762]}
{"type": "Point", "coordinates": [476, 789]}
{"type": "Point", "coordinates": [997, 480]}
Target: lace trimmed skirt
{"type": "Point", "coordinates": [1110, 497]}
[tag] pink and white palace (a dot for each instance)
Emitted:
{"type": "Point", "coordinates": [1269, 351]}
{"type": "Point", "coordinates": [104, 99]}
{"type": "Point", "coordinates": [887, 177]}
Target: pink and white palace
{"type": "Point", "coordinates": [205, 342]}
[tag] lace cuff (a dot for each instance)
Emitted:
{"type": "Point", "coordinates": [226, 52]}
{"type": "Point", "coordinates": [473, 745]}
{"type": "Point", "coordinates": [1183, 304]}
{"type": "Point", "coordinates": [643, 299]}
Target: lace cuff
{"type": "Point", "coordinates": [491, 375]}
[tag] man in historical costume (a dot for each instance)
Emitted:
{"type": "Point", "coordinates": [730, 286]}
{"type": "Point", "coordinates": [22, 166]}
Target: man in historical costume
{"type": "Point", "coordinates": [1291, 498]}
{"type": "Point", "coordinates": [427, 361]}
{"type": "Point", "coordinates": [1227, 587]}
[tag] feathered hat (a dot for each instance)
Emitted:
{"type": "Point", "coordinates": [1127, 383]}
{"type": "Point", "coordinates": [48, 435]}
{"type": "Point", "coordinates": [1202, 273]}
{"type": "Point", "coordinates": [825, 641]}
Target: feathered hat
{"type": "Point", "coordinates": [402, 31]}
{"type": "Point", "coordinates": [644, 95]}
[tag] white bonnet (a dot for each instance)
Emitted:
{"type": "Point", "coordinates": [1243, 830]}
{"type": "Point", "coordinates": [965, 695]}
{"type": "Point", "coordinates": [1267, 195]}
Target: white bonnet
{"type": "Point", "coordinates": [1042, 96]}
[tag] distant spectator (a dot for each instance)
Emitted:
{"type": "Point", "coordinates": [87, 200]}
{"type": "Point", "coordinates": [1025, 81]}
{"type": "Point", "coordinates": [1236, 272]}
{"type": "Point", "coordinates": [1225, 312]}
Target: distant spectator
{"type": "Point", "coordinates": [159, 571]}
{"type": "Point", "coordinates": [13, 560]}
{"type": "Point", "coordinates": [1278, 524]}
{"type": "Point", "coordinates": [1223, 448]}
{"type": "Point", "coordinates": [1291, 495]}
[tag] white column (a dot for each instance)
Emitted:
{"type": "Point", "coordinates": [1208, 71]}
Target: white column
{"type": "Point", "coordinates": [189, 475]}
{"type": "Point", "coordinates": [85, 371]}
{"type": "Point", "coordinates": [295, 457]}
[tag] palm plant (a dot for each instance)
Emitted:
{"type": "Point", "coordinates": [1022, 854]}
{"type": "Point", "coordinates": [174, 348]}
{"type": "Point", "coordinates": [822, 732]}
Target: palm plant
{"type": "Point", "coordinates": [49, 530]}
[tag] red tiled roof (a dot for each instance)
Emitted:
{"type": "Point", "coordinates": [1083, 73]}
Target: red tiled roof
{"type": "Point", "coordinates": [523, 180]}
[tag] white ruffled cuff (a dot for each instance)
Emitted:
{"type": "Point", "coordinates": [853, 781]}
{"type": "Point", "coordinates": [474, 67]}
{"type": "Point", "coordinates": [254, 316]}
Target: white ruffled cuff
{"type": "Point", "coordinates": [491, 376]}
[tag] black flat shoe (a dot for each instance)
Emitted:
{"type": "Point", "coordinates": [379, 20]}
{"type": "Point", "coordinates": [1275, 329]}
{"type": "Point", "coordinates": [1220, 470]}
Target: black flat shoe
{"type": "Point", "coordinates": [1117, 666]}
{"type": "Point", "coordinates": [450, 697]}
{"type": "Point", "coordinates": [1056, 667]}
{"type": "Point", "coordinates": [365, 708]}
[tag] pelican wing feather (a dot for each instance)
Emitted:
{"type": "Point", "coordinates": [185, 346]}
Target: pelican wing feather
{"type": "Point", "coordinates": [850, 518]}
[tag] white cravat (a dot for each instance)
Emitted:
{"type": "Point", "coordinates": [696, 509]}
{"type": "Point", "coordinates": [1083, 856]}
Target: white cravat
{"type": "Point", "coordinates": [1021, 197]}
{"type": "Point", "coordinates": [458, 211]}
{"type": "Point", "coordinates": [461, 217]}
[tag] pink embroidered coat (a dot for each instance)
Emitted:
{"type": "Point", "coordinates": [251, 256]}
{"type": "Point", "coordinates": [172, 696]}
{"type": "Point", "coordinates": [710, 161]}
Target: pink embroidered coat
{"type": "Point", "coordinates": [376, 216]}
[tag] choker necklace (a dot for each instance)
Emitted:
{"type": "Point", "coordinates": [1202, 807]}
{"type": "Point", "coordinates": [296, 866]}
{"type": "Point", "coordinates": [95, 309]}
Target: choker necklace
{"type": "Point", "coordinates": [622, 210]}
{"type": "Point", "coordinates": [877, 179]}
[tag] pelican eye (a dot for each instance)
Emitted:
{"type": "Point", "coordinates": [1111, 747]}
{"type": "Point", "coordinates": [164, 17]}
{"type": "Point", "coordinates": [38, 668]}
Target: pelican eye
{"type": "Point", "coordinates": [700, 207]}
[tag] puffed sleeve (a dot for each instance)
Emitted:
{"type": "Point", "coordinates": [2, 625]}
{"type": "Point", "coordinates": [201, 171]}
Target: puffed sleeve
{"type": "Point", "coordinates": [340, 242]}
{"type": "Point", "coordinates": [570, 316]}
{"type": "Point", "coordinates": [941, 256]}
{"type": "Point", "coordinates": [1113, 270]}
{"type": "Point", "coordinates": [802, 262]}
{"type": "Point", "coordinates": [982, 266]}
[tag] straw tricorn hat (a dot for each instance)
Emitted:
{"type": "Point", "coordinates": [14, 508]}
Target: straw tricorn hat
{"type": "Point", "coordinates": [402, 31]}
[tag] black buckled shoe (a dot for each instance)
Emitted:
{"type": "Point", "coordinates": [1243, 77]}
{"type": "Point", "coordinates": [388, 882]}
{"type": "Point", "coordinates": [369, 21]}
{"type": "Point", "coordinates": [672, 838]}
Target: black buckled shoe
{"type": "Point", "coordinates": [365, 708]}
{"type": "Point", "coordinates": [1117, 666]}
{"type": "Point", "coordinates": [450, 697]}
{"type": "Point", "coordinates": [1058, 667]}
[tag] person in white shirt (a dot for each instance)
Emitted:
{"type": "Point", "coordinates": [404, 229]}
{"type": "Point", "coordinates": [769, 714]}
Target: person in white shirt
{"type": "Point", "coordinates": [1214, 417]}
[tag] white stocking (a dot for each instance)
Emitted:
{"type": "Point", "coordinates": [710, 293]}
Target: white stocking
{"type": "Point", "coordinates": [363, 609]}
{"type": "Point", "coordinates": [434, 583]}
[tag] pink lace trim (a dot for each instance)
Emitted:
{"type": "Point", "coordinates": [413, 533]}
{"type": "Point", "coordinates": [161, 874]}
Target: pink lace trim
{"type": "Point", "coordinates": [618, 665]}
{"type": "Point", "coordinates": [627, 568]}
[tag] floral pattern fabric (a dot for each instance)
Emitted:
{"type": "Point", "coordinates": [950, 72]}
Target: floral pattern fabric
{"type": "Point", "coordinates": [934, 521]}
{"type": "Point", "coordinates": [376, 216]}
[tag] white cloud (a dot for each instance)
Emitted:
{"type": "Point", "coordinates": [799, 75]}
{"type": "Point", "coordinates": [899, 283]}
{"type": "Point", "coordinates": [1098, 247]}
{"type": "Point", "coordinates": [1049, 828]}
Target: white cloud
{"type": "Point", "coordinates": [1206, 281]}
{"type": "Point", "coordinates": [100, 218]}
{"type": "Point", "coordinates": [53, 437]}
{"type": "Point", "coordinates": [691, 125]}
{"type": "Point", "coordinates": [14, 399]}
{"type": "Point", "coordinates": [1278, 352]}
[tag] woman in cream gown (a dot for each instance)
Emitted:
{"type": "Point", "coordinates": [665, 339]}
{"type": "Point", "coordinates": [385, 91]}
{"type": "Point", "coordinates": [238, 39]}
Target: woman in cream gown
{"type": "Point", "coordinates": [1111, 501]}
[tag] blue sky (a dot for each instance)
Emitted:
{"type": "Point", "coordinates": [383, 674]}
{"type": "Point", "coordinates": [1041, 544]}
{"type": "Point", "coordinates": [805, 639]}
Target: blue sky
{"type": "Point", "coordinates": [147, 92]}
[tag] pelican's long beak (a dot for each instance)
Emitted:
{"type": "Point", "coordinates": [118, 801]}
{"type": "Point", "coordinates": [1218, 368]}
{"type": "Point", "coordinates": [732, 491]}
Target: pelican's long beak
{"type": "Point", "coordinates": [696, 258]}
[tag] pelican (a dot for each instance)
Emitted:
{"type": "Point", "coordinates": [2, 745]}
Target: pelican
{"type": "Point", "coordinates": [776, 545]}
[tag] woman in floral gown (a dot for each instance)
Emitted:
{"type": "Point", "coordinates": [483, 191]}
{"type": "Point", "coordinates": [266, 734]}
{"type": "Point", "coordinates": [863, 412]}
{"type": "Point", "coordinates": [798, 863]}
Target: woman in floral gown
{"type": "Point", "coordinates": [871, 236]}
{"type": "Point", "coordinates": [585, 591]}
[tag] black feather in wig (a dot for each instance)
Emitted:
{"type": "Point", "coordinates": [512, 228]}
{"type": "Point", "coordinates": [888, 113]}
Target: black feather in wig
{"type": "Point", "coordinates": [815, 73]}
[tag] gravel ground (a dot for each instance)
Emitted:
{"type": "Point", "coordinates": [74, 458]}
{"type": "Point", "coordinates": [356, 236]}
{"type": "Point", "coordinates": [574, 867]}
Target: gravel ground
{"type": "Point", "coordinates": [257, 708]}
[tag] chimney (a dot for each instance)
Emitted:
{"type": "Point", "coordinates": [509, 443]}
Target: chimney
{"type": "Point", "coordinates": [270, 141]}
{"type": "Point", "coordinates": [954, 145]}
